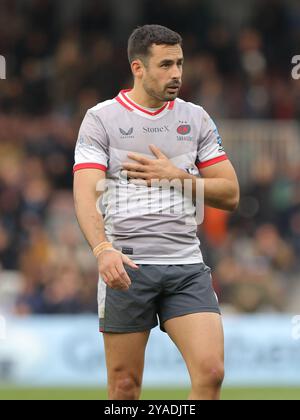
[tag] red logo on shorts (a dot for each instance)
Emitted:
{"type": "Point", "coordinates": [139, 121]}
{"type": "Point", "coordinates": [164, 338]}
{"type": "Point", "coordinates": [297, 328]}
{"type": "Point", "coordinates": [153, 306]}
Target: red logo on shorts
{"type": "Point", "coordinates": [184, 129]}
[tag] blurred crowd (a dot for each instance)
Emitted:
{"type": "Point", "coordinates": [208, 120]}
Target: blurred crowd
{"type": "Point", "coordinates": [255, 252]}
{"type": "Point", "coordinates": [39, 236]}
{"type": "Point", "coordinates": [57, 69]}
{"type": "Point", "coordinates": [238, 69]}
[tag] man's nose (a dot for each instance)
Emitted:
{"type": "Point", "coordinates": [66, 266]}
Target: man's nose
{"type": "Point", "coordinates": [176, 74]}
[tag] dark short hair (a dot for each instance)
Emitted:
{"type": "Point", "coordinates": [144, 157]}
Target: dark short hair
{"type": "Point", "coordinates": [144, 37]}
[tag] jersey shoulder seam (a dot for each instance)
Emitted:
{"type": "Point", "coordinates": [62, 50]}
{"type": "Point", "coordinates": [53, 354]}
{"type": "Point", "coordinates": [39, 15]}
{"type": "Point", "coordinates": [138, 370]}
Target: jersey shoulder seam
{"type": "Point", "coordinates": [181, 101]}
{"type": "Point", "coordinates": [102, 105]}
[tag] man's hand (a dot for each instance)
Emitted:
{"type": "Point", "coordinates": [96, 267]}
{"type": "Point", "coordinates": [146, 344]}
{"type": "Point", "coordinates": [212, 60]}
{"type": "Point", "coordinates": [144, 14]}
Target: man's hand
{"type": "Point", "coordinates": [150, 169]}
{"type": "Point", "coordinates": [111, 268]}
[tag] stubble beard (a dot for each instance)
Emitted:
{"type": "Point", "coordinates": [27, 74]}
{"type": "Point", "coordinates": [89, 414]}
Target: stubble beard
{"type": "Point", "coordinates": [161, 96]}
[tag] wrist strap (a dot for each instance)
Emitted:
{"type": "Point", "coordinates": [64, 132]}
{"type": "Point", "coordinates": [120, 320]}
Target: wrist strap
{"type": "Point", "coordinates": [99, 248]}
{"type": "Point", "coordinates": [104, 246]}
{"type": "Point", "coordinates": [108, 249]}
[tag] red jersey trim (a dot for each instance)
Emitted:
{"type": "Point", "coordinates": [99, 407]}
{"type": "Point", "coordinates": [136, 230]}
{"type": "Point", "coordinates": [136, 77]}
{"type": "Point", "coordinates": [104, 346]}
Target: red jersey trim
{"type": "Point", "coordinates": [171, 105]}
{"type": "Point", "coordinates": [211, 162]}
{"type": "Point", "coordinates": [89, 166]}
{"type": "Point", "coordinates": [127, 103]}
{"type": "Point", "coordinates": [123, 104]}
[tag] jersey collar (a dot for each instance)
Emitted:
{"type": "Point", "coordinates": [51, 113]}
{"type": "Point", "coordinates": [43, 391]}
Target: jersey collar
{"type": "Point", "coordinates": [123, 100]}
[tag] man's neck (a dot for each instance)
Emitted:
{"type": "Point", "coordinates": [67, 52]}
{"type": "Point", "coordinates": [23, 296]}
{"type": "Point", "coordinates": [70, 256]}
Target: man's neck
{"type": "Point", "coordinates": [141, 98]}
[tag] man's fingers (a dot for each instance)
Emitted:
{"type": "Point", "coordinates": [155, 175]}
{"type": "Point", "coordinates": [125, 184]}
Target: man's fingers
{"type": "Point", "coordinates": [109, 276]}
{"type": "Point", "coordinates": [107, 280]}
{"type": "Point", "coordinates": [157, 152]}
{"type": "Point", "coordinates": [133, 167]}
{"type": "Point", "coordinates": [128, 261]}
{"type": "Point", "coordinates": [139, 158]}
{"type": "Point", "coordinates": [118, 282]}
{"type": "Point", "coordinates": [115, 275]}
{"type": "Point", "coordinates": [132, 174]}
{"type": "Point", "coordinates": [122, 273]}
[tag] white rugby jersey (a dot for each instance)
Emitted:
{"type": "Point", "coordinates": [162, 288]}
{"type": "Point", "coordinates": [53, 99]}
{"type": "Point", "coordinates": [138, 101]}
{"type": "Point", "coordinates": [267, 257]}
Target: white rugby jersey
{"type": "Point", "coordinates": [149, 224]}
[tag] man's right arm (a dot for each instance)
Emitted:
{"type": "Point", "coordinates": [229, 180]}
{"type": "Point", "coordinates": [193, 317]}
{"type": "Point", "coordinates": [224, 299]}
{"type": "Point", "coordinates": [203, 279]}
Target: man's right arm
{"type": "Point", "coordinates": [85, 199]}
{"type": "Point", "coordinates": [111, 264]}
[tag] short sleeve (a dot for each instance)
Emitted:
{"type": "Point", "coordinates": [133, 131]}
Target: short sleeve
{"type": "Point", "coordinates": [210, 147]}
{"type": "Point", "coordinates": [91, 150]}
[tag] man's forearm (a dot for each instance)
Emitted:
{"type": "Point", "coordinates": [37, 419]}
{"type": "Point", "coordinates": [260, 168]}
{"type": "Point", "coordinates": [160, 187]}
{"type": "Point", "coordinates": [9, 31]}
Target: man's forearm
{"type": "Point", "coordinates": [218, 192]}
{"type": "Point", "coordinates": [89, 219]}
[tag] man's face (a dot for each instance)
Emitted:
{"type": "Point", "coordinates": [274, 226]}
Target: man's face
{"type": "Point", "coordinates": [162, 75]}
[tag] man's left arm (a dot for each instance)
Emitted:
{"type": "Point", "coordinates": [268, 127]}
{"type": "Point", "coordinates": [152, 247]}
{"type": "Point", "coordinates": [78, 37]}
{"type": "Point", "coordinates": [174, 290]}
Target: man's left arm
{"type": "Point", "coordinates": [220, 184]}
{"type": "Point", "coordinates": [219, 181]}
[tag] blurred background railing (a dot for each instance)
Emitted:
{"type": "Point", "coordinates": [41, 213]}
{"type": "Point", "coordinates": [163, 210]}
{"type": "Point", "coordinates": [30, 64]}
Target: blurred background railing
{"type": "Point", "coordinates": [255, 145]}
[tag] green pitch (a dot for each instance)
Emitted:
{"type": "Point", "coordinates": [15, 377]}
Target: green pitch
{"type": "Point", "coordinates": [148, 394]}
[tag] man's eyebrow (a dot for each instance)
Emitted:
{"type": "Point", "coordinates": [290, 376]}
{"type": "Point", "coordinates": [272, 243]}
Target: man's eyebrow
{"type": "Point", "coordinates": [168, 61]}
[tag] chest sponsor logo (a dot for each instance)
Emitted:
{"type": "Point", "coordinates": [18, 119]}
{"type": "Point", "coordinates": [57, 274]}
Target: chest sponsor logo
{"type": "Point", "coordinates": [126, 134]}
{"type": "Point", "coordinates": [154, 130]}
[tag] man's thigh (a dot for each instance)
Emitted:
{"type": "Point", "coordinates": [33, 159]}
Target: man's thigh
{"type": "Point", "coordinates": [125, 354]}
{"type": "Point", "coordinates": [200, 339]}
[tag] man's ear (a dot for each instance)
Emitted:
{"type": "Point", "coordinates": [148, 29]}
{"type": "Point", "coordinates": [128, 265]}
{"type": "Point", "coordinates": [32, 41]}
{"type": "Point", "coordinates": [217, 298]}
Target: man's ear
{"type": "Point", "coordinates": [137, 68]}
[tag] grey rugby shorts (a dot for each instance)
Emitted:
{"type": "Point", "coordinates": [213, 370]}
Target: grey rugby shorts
{"type": "Point", "coordinates": [157, 292]}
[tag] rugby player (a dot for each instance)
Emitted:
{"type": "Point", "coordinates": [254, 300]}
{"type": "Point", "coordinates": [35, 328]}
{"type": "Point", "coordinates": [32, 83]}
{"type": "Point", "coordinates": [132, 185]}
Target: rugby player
{"type": "Point", "coordinates": [150, 263]}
